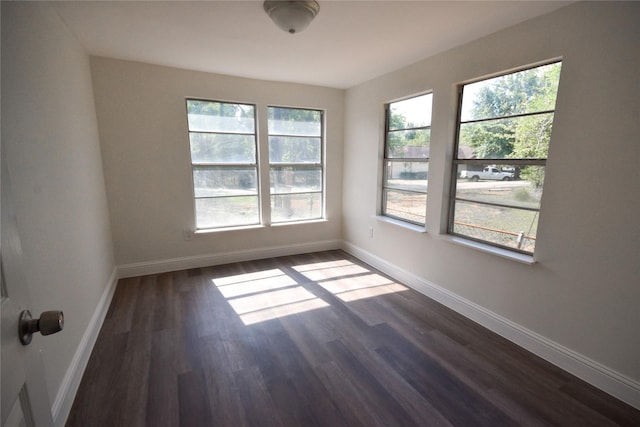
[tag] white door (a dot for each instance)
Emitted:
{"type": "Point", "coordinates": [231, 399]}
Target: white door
{"type": "Point", "coordinates": [25, 401]}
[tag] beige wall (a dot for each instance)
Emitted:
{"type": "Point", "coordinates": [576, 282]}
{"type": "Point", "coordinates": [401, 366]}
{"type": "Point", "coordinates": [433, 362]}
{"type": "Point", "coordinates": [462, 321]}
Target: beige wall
{"type": "Point", "coordinates": [144, 136]}
{"type": "Point", "coordinates": [50, 139]}
{"type": "Point", "coordinates": [584, 290]}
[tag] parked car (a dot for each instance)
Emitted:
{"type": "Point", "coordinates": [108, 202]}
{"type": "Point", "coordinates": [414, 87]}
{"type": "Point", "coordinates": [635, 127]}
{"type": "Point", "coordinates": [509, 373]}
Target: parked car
{"type": "Point", "coordinates": [489, 172]}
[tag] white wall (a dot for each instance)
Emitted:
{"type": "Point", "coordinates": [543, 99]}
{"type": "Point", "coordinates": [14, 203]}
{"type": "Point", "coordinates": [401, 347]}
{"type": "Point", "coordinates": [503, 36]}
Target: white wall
{"type": "Point", "coordinates": [49, 132]}
{"type": "Point", "coordinates": [145, 145]}
{"type": "Point", "coordinates": [584, 291]}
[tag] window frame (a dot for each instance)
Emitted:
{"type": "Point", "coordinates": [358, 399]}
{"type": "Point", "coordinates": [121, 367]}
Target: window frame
{"type": "Point", "coordinates": [516, 162]}
{"type": "Point", "coordinates": [386, 159]}
{"type": "Point", "coordinates": [298, 165]}
{"type": "Point", "coordinates": [195, 166]}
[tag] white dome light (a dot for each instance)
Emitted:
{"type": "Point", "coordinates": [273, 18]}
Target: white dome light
{"type": "Point", "coordinates": [292, 16]}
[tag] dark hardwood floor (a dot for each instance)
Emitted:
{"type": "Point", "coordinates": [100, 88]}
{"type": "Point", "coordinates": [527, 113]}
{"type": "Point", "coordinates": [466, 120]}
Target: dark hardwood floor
{"type": "Point", "coordinates": [315, 339]}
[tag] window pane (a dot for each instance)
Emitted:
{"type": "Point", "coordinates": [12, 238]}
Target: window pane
{"type": "Point", "coordinates": [519, 186]}
{"type": "Point", "coordinates": [407, 175]}
{"type": "Point", "coordinates": [295, 179]}
{"type": "Point", "coordinates": [296, 207]}
{"type": "Point", "coordinates": [408, 137]}
{"type": "Point", "coordinates": [522, 92]}
{"type": "Point", "coordinates": [525, 137]}
{"type": "Point", "coordinates": [290, 149]}
{"type": "Point", "coordinates": [295, 138]}
{"type": "Point", "coordinates": [222, 148]}
{"type": "Point", "coordinates": [409, 143]}
{"type": "Point", "coordinates": [293, 121]}
{"type": "Point", "coordinates": [509, 117]}
{"type": "Point", "coordinates": [208, 116]}
{"type": "Point", "coordinates": [511, 227]}
{"type": "Point", "coordinates": [410, 113]}
{"type": "Point", "coordinates": [226, 211]}
{"type": "Point", "coordinates": [224, 181]}
{"type": "Point", "coordinates": [405, 205]}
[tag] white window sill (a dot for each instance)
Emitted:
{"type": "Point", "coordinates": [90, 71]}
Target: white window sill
{"type": "Point", "coordinates": [303, 222]}
{"type": "Point", "coordinates": [222, 229]}
{"type": "Point", "coordinates": [256, 226]}
{"type": "Point", "coordinates": [504, 253]}
{"type": "Point", "coordinates": [403, 224]}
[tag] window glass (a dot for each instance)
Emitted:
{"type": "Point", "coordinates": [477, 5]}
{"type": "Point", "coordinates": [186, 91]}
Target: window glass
{"type": "Point", "coordinates": [216, 212]}
{"type": "Point", "coordinates": [405, 205]}
{"type": "Point", "coordinates": [504, 132]}
{"type": "Point", "coordinates": [220, 181]}
{"type": "Point", "coordinates": [295, 207]}
{"type": "Point", "coordinates": [223, 156]}
{"type": "Point", "coordinates": [209, 116]}
{"type": "Point", "coordinates": [294, 149]}
{"type": "Point", "coordinates": [295, 179]}
{"type": "Point", "coordinates": [406, 162]}
{"type": "Point", "coordinates": [296, 167]}
{"type": "Point", "coordinates": [222, 148]}
{"type": "Point", "coordinates": [294, 121]}
{"type": "Point", "coordinates": [524, 92]}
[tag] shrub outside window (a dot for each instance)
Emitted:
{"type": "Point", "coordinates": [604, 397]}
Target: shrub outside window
{"type": "Point", "coordinates": [503, 136]}
{"type": "Point", "coordinates": [296, 166]}
{"type": "Point", "coordinates": [406, 159]}
{"type": "Point", "coordinates": [222, 140]}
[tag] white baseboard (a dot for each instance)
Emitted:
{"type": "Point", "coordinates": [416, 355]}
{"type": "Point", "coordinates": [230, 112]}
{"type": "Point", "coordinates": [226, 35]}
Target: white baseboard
{"type": "Point", "coordinates": [624, 388]}
{"type": "Point", "coordinates": [71, 381]}
{"type": "Point", "coordinates": [198, 261]}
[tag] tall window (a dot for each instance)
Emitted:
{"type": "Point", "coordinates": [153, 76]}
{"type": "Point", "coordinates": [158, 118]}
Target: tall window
{"type": "Point", "coordinates": [223, 159]}
{"type": "Point", "coordinates": [406, 159]}
{"type": "Point", "coordinates": [503, 141]}
{"type": "Point", "coordinates": [296, 167]}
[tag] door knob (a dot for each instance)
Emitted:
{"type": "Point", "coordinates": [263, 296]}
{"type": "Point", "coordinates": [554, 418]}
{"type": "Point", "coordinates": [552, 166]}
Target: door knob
{"type": "Point", "coordinates": [49, 323]}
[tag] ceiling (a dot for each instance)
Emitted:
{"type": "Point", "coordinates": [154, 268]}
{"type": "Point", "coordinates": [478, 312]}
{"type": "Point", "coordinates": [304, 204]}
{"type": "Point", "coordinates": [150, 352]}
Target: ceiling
{"type": "Point", "coordinates": [348, 43]}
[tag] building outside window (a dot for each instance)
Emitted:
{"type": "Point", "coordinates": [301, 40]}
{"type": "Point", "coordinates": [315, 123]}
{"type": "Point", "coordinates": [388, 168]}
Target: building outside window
{"type": "Point", "coordinates": [406, 159]}
{"type": "Point", "coordinates": [503, 136]}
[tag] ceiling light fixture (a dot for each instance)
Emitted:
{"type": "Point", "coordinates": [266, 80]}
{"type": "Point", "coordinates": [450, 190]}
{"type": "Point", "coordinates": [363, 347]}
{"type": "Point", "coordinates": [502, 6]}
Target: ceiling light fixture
{"type": "Point", "coordinates": [292, 16]}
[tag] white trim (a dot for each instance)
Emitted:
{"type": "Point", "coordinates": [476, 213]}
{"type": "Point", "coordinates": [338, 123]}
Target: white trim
{"type": "Point", "coordinates": [400, 223]}
{"type": "Point", "coordinates": [620, 386]}
{"type": "Point", "coordinates": [504, 253]}
{"type": "Point", "coordinates": [71, 381]}
{"type": "Point", "coordinates": [197, 261]}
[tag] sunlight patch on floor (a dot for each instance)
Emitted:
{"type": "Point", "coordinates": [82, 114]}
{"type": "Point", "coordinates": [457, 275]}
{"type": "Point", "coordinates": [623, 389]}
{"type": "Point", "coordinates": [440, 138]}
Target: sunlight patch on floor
{"type": "Point", "coordinates": [359, 287]}
{"type": "Point", "coordinates": [247, 277]}
{"type": "Point", "coordinates": [271, 294]}
{"type": "Point", "coordinates": [329, 270]}
{"type": "Point", "coordinates": [370, 292]}
{"type": "Point", "coordinates": [270, 299]}
{"type": "Point", "coordinates": [282, 311]}
{"type": "Point", "coordinates": [245, 284]}
{"type": "Point", "coordinates": [266, 295]}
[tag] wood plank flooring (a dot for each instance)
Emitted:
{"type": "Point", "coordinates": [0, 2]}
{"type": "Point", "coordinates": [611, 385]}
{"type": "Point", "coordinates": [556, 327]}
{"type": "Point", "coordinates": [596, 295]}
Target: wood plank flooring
{"type": "Point", "coordinates": [314, 340]}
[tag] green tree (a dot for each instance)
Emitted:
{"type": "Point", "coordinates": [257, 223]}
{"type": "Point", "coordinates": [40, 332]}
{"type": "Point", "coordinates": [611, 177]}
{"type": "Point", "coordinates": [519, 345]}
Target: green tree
{"type": "Point", "coordinates": [295, 135]}
{"type": "Point", "coordinates": [515, 114]}
{"type": "Point", "coordinates": [221, 132]}
{"type": "Point", "coordinates": [409, 127]}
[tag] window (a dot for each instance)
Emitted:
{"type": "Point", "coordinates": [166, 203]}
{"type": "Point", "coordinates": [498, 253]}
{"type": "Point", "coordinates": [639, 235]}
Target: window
{"type": "Point", "coordinates": [295, 162]}
{"type": "Point", "coordinates": [406, 159]}
{"type": "Point", "coordinates": [504, 131]}
{"type": "Point", "coordinates": [223, 160]}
